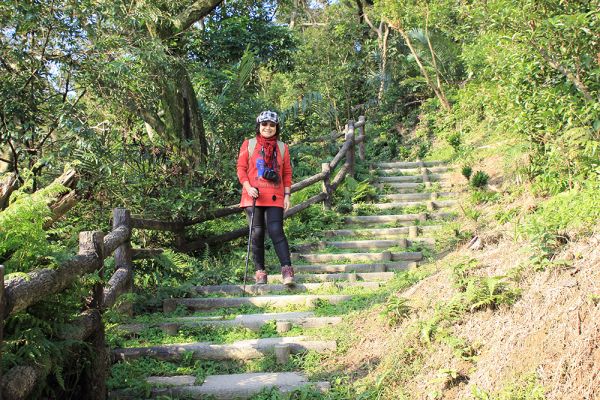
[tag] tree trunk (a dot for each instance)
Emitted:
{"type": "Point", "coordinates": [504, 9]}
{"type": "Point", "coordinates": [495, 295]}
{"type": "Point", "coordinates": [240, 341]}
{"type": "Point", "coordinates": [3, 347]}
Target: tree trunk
{"type": "Point", "coordinates": [182, 117]}
{"type": "Point", "coordinates": [439, 93]}
{"type": "Point", "coordinates": [383, 46]}
{"type": "Point", "coordinates": [7, 186]}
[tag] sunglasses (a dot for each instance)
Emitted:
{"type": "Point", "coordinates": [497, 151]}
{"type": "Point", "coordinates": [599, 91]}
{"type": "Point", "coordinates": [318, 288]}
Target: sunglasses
{"type": "Point", "coordinates": [267, 123]}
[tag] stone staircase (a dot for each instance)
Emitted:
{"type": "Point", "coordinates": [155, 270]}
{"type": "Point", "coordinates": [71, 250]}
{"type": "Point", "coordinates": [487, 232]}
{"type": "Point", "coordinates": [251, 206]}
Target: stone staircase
{"type": "Point", "coordinates": [361, 257]}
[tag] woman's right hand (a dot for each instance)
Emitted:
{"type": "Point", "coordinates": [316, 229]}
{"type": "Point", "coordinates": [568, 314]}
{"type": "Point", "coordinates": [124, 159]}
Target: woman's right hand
{"type": "Point", "coordinates": [252, 191]}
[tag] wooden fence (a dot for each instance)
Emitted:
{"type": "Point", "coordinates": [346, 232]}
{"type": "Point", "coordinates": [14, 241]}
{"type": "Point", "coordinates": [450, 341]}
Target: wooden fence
{"type": "Point", "coordinates": [17, 294]}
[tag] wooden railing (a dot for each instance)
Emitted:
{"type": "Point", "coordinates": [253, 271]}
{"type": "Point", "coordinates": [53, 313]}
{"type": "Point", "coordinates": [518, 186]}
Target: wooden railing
{"type": "Point", "coordinates": [18, 293]}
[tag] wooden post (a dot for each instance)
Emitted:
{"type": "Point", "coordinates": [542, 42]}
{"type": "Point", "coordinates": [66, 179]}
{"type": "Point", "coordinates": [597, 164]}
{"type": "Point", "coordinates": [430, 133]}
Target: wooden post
{"type": "Point", "coordinates": [93, 243]}
{"type": "Point", "coordinates": [326, 185]}
{"type": "Point", "coordinates": [361, 146]}
{"type": "Point", "coordinates": [2, 301]}
{"type": "Point", "coordinates": [94, 383]}
{"type": "Point", "coordinates": [282, 353]}
{"type": "Point", "coordinates": [123, 256]}
{"type": "Point", "coordinates": [350, 153]}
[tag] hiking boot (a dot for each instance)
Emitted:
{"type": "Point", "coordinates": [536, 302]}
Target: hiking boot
{"type": "Point", "coordinates": [287, 273]}
{"type": "Point", "coordinates": [260, 277]}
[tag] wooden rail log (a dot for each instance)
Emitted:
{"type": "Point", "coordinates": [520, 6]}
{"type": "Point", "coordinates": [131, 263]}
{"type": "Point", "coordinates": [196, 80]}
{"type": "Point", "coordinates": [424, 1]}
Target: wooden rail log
{"type": "Point", "coordinates": [117, 285]}
{"type": "Point", "coordinates": [21, 292]}
{"type": "Point", "coordinates": [19, 382]}
{"type": "Point", "coordinates": [214, 214]}
{"type": "Point", "coordinates": [144, 254]}
{"type": "Point", "coordinates": [116, 238]}
{"type": "Point", "coordinates": [155, 225]}
{"type": "Point", "coordinates": [313, 200]}
{"type": "Point", "coordinates": [308, 181]}
{"type": "Point", "coordinates": [82, 327]}
{"type": "Point", "coordinates": [339, 177]}
{"type": "Point", "coordinates": [201, 243]}
{"type": "Point", "coordinates": [341, 154]}
{"type": "Point", "coordinates": [122, 280]}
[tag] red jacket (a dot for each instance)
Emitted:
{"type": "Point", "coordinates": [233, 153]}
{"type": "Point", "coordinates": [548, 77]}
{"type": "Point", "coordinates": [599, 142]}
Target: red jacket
{"type": "Point", "coordinates": [270, 194]}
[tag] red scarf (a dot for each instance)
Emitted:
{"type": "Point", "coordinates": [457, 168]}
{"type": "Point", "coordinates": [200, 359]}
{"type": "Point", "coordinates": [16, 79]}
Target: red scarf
{"type": "Point", "coordinates": [270, 146]}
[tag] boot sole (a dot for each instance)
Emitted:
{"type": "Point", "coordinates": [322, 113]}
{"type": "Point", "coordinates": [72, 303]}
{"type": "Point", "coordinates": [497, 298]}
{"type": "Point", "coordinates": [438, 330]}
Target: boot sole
{"type": "Point", "coordinates": [288, 281]}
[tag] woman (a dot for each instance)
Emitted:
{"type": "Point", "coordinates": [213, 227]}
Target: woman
{"type": "Point", "coordinates": [265, 172]}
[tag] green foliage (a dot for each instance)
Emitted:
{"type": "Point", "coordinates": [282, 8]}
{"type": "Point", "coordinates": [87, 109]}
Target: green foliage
{"type": "Point", "coordinates": [527, 388]}
{"type": "Point", "coordinates": [23, 241]}
{"type": "Point", "coordinates": [481, 196]}
{"type": "Point", "coordinates": [489, 292]}
{"type": "Point", "coordinates": [395, 310]}
{"type": "Point", "coordinates": [480, 179]}
{"type": "Point", "coordinates": [461, 273]}
{"type": "Point", "coordinates": [466, 171]}
{"type": "Point", "coordinates": [455, 140]}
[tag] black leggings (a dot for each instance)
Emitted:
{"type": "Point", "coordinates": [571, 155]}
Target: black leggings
{"type": "Point", "coordinates": [272, 217]}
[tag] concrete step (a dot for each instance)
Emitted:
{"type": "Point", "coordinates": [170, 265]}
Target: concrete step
{"type": "Point", "coordinates": [397, 218]}
{"type": "Point", "coordinates": [369, 277]}
{"type": "Point", "coordinates": [415, 196]}
{"type": "Point", "coordinates": [384, 219]}
{"type": "Point", "coordinates": [409, 164]}
{"type": "Point", "coordinates": [211, 303]}
{"type": "Point", "coordinates": [409, 187]}
{"type": "Point", "coordinates": [352, 244]}
{"type": "Point", "coordinates": [263, 289]}
{"type": "Point", "coordinates": [254, 322]}
{"type": "Point", "coordinates": [414, 171]}
{"type": "Point", "coordinates": [363, 268]}
{"type": "Point", "coordinates": [411, 178]}
{"type": "Point", "coordinates": [364, 244]}
{"type": "Point", "coordinates": [242, 350]}
{"type": "Point", "coordinates": [226, 387]}
{"type": "Point", "coordinates": [357, 257]}
{"type": "Point", "coordinates": [431, 205]}
{"type": "Point", "coordinates": [382, 232]}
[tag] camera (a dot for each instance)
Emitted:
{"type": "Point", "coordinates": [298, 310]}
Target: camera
{"type": "Point", "coordinates": [270, 174]}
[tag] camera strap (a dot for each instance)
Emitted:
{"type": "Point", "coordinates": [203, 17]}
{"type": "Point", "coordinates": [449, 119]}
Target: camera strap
{"type": "Point", "coordinates": [252, 145]}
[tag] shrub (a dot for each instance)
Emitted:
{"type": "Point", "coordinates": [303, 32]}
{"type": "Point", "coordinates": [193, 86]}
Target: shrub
{"type": "Point", "coordinates": [467, 171]}
{"type": "Point", "coordinates": [455, 140]}
{"type": "Point", "coordinates": [480, 179]}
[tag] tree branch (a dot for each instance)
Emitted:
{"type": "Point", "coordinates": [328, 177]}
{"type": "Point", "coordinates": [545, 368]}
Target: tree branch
{"type": "Point", "coordinates": [198, 10]}
{"type": "Point", "coordinates": [563, 70]}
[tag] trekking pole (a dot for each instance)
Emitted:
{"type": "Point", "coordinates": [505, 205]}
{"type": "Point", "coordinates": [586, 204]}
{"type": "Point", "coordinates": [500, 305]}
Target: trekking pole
{"type": "Point", "coordinates": [249, 240]}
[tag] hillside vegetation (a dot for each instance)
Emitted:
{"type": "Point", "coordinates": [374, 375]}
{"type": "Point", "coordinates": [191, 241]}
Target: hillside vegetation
{"type": "Point", "coordinates": [149, 102]}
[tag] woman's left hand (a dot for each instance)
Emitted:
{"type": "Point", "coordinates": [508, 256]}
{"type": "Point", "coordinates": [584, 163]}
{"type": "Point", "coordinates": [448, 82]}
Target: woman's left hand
{"type": "Point", "coordinates": [286, 203]}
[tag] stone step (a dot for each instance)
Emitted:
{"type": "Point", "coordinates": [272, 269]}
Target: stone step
{"type": "Point", "coordinates": [411, 178]}
{"type": "Point", "coordinates": [431, 205]}
{"type": "Point", "coordinates": [409, 164]}
{"type": "Point", "coordinates": [226, 387]}
{"type": "Point", "coordinates": [358, 257]}
{"type": "Point", "coordinates": [369, 276]}
{"type": "Point", "coordinates": [414, 171]}
{"type": "Point", "coordinates": [262, 289]}
{"type": "Point", "coordinates": [253, 322]}
{"type": "Point", "coordinates": [242, 350]}
{"type": "Point", "coordinates": [211, 303]}
{"type": "Point", "coordinates": [363, 268]}
{"type": "Point", "coordinates": [415, 196]}
{"type": "Point", "coordinates": [382, 232]}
